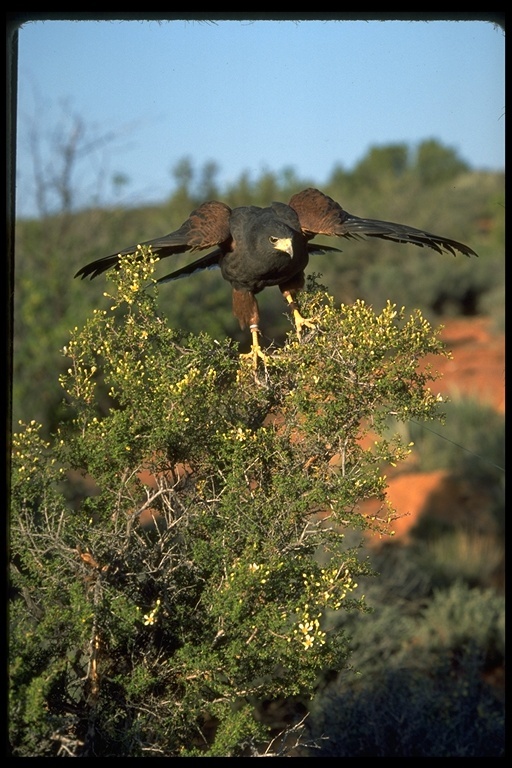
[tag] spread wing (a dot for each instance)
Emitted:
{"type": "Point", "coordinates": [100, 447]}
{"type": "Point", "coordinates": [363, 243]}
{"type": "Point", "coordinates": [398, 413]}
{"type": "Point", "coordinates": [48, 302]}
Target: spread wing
{"type": "Point", "coordinates": [321, 215]}
{"type": "Point", "coordinates": [206, 227]}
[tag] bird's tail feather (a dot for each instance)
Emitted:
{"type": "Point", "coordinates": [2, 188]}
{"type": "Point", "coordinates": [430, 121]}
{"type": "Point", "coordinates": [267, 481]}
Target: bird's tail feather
{"type": "Point", "coordinates": [210, 261]}
{"type": "Point", "coordinates": [315, 248]}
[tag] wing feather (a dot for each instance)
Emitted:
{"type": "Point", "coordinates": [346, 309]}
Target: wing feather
{"type": "Point", "coordinates": [321, 215]}
{"type": "Point", "coordinates": [206, 227]}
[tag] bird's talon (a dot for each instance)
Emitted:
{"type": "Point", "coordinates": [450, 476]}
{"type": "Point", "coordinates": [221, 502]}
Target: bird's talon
{"type": "Point", "coordinates": [254, 356]}
{"type": "Point", "coordinates": [302, 322]}
{"type": "Point", "coordinates": [256, 352]}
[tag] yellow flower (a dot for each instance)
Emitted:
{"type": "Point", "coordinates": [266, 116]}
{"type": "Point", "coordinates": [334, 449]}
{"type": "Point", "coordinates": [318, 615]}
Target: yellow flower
{"type": "Point", "coordinates": [150, 618]}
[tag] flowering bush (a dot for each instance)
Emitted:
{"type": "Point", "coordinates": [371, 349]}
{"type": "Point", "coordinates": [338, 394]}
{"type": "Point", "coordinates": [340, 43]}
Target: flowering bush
{"type": "Point", "coordinates": [198, 574]}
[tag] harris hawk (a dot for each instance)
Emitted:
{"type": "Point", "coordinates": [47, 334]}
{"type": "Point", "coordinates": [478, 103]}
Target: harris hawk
{"type": "Point", "coordinates": [260, 247]}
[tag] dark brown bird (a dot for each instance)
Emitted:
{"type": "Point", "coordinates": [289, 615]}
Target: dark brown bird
{"type": "Point", "coordinates": [259, 247]}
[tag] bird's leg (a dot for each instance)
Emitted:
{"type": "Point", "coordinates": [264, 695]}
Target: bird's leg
{"type": "Point", "coordinates": [300, 322]}
{"type": "Point", "coordinates": [256, 350]}
{"type": "Point", "coordinates": [245, 308]}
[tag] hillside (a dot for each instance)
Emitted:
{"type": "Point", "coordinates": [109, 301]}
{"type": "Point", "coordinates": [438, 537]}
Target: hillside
{"type": "Point", "coordinates": [477, 371]}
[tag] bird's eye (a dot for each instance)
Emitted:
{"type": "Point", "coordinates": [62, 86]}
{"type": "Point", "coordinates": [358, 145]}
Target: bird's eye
{"type": "Point", "coordinates": [273, 239]}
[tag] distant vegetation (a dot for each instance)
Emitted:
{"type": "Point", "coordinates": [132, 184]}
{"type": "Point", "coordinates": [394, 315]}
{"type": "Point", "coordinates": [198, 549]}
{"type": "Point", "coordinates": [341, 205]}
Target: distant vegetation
{"type": "Point", "coordinates": [430, 187]}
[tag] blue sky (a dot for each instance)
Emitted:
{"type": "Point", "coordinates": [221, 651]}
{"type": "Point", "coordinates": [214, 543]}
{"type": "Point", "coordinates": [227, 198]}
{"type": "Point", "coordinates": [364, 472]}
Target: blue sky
{"type": "Point", "coordinates": [252, 96]}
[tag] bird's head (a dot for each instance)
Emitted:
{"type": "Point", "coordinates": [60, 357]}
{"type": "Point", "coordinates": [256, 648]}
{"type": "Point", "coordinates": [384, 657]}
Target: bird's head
{"type": "Point", "coordinates": [284, 244]}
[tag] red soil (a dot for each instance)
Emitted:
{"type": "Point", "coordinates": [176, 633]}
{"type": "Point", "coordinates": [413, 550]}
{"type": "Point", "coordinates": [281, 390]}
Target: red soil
{"type": "Point", "coordinates": [477, 371]}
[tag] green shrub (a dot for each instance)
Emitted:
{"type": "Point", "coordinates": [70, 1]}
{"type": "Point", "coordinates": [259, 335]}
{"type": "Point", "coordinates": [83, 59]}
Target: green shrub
{"type": "Point", "coordinates": [156, 616]}
{"type": "Point", "coordinates": [420, 689]}
{"type": "Point", "coordinates": [401, 713]}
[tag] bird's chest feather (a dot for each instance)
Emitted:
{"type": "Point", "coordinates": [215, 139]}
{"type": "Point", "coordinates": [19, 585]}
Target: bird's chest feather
{"type": "Point", "coordinates": [257, 260]}
{"type": "Point", "coordinates": [255, 270]}
{"type": "Point", "coordinates": [268, 248]}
